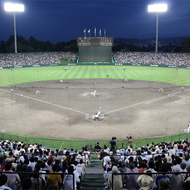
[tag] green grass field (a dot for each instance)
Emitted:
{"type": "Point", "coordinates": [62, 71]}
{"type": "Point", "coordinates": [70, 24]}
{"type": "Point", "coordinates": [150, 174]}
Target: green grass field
{"type": "Point", "coordinates": [35, 74]}
{"type": "Point", "coordinates": [156, 74]}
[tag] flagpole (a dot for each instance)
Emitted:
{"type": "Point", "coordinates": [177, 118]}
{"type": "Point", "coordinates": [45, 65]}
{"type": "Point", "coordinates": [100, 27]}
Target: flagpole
{"type": "Point", "coordinates": [104, 34]}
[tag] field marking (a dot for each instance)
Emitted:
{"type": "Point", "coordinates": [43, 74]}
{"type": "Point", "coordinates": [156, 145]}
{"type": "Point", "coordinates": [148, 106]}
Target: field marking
{"type": "Point", "coordinates": [45, 102]}
{"type": "Point", "coordinates": [2, 92]}
{"type": "Point", "coordinates": [181, 101]}
{"type": "Point", "coordinates": [146, 102]}
{"type": "Point", "coordinates": [11, 101]}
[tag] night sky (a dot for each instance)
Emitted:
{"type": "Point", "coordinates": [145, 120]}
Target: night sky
{"type": "Point", "coordinates": [61, 20]}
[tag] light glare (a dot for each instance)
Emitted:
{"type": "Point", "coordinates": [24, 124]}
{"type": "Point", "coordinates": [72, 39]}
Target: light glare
{"type": "Point", "coordinates": [157, 8]}
{"type": "Point", "coordinates": [14, 7]}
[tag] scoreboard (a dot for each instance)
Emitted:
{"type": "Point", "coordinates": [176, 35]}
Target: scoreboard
{"type": "Point", "coordinates": [95, 49]}
{"type": "Point", "coordinates": [94, 41]}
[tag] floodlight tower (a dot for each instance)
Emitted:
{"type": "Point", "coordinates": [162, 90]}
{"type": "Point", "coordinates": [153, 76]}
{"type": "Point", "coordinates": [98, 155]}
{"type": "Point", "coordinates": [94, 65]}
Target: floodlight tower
{"type": "Point", "coordinates": [14, 7]}
{"type": "Point", "coordinates": [157, 8]}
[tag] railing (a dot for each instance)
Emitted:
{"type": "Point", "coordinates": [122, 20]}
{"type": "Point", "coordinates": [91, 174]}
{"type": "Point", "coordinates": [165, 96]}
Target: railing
{"type": "Point", "coordinates": [39, 173]}
{"type": "Point", "coordinates": [146, 173]}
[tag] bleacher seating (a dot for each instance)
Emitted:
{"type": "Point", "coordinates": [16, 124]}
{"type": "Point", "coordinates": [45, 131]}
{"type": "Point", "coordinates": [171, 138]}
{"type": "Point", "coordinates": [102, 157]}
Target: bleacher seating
{"type": "Point", "coordinates": [97, 171]}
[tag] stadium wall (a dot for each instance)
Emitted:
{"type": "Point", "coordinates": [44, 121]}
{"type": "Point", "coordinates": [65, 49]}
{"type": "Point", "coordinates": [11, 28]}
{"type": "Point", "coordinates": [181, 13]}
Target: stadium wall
{"type": "Point", "coordinates": [92, 63]}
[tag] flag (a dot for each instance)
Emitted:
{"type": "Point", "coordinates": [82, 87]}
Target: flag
{"type": "Point", "coordinates": [100, 32]}
{"type": "Point", "coordinates": [95, 31]}
{"type": "Point", "coordinates": [89, 31]}
{"type": "Point", "coordinates": [84, 31]}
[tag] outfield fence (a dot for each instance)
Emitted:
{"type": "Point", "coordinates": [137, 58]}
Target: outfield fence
{"type": "Point", "coordinates": [93, 63]}
{"type": "Point", "coordinates": [79, 144]}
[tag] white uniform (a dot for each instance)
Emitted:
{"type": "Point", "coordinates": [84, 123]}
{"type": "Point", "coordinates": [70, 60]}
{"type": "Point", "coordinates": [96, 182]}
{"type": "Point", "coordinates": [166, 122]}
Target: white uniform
{"type": "Point", "coordinates": [37, 92]}
{"type": "Point", "coordinates": [11, 90]}
{"type": "Point", "coordinates": [96, 115]}
{"type": "Point", "coordinates": [126, 80]}
{"type": "Point", "coordinates": [188, 129]}
{"type": "Point", "coordinates": [61, 81]}
{"type": "Point", "coordinates": [94, 93]}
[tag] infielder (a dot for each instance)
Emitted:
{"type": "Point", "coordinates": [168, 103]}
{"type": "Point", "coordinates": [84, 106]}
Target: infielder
{"type": "Point", "coordinates": [37, 92]}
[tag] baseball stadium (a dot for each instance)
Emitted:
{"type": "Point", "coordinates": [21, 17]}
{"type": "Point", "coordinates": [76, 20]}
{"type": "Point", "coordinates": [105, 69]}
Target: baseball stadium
{"type": "Point", "coordinates": [92, 98]}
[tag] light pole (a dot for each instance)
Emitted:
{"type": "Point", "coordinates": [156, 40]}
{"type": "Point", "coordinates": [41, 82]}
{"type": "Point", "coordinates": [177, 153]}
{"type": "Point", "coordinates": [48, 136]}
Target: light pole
{"type": "Point", "coordinates": [157, 8]}
{"type": "Point", "coordinates": [14, 7]}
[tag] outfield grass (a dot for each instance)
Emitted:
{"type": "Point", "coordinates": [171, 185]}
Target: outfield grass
{"type": "Point", "coordinates": [26, 75]}
{"type": "Point", "coordinates": [35, 74]}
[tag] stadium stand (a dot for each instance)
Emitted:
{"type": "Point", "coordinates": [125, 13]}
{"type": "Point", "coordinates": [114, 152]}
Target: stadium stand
{"type": "Point", "coordinates": [35, 58]}
{"type": "Point", "coordinates": [124, 169]}
{"type": "Point", "coordinates": [175, 59]}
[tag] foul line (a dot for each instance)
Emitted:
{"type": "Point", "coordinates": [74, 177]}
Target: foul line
{"type": "Point", "coordinates": [11, 101]}
{"type": "Point", "coordinates": [144, 102]}
{"type": "Point", "coordinates": [147, 101]}
{"type": "Point", "coordinates": [45, 102]}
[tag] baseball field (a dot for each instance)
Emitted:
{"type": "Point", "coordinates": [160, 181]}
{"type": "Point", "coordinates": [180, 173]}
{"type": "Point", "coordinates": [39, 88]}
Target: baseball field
{"type": "Point", "coordinates": [136, 107]}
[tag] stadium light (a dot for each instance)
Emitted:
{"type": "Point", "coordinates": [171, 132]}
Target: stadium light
{"type": "Point", "coordinates": [157, 8]}
{"type": "Point", "coordinates": [14, 7]}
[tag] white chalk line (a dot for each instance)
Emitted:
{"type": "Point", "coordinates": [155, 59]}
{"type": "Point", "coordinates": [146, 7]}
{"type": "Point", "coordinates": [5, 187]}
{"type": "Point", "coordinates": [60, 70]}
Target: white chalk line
{"type": "Point", "coordinates": [11, 101]}
{"type": "Point", "coordinates": [46, 102]}
{"type": "Point", "coordinates": [146, 102]}
{"type": "Point", "coordinates": [181, 101]}
{"type": "Point", "coordinates": [2, 92]}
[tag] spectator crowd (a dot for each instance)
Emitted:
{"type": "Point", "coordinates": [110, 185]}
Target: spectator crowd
{"type": "Point", "coordinates": [154, 166]}
{"type": "Point", "coordinates": [173, 59]}
{"type": "Point", "coordinates": [32, 166]}
{"type": "Point", "coordinates": [20, 59]}
{"type": "Point", "coordinates": [163, 166]}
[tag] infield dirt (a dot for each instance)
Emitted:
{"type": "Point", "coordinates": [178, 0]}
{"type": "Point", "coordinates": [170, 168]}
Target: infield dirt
{"type": "Point", "coordinates": [64, 110]}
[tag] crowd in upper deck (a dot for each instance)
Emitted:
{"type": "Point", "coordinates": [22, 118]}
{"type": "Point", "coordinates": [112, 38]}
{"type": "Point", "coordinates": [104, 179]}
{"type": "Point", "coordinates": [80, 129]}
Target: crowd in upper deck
{"type": "Point", "coordinates": [174, 59]}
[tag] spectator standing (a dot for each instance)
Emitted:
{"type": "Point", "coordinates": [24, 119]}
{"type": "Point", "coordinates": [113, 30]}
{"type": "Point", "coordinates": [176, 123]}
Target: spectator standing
{"type": "Point", "coordinates": [130, 142]}
{"type": "Point", "coordinates": [113, 144]}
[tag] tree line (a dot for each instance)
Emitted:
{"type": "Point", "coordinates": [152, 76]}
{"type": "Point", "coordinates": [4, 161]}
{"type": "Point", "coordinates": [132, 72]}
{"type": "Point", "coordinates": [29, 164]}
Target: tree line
{"type": "Point", "coordinates": [34, 45]}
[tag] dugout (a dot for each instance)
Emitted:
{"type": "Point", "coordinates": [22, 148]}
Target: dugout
{"type": "Point", "coordinates": [95, 49]}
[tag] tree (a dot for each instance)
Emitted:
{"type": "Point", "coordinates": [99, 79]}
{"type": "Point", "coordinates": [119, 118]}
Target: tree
{"type": "Point", "coordinates": [2, 47]}
{"type": "Point", "coordinates": [186, 45]}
